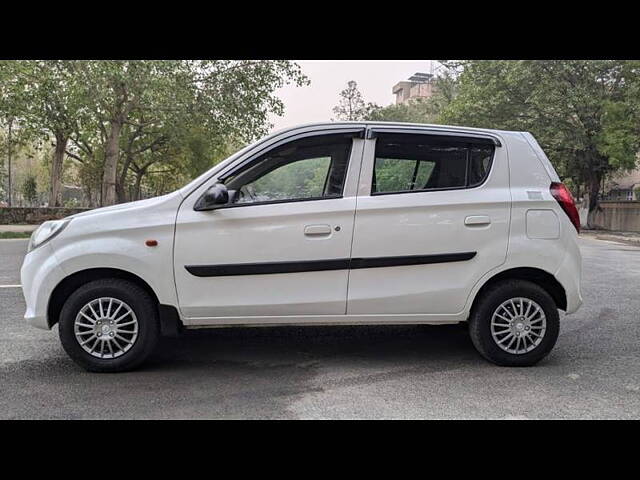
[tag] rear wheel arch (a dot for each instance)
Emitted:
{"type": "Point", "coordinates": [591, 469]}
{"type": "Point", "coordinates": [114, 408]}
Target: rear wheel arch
{"type": "Point", "coordinates": [540, 277]}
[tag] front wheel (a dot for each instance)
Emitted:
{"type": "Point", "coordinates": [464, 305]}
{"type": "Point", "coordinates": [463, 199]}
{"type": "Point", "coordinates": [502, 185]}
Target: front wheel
{"type": "Point", "coordinates": [515, 323]}
{"type": "Point", "coordinates": [109, 325]}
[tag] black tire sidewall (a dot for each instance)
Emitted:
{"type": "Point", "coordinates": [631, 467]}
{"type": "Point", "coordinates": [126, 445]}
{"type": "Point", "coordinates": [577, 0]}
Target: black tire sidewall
{"type": "Point", "coordinates": [141, 304]}
{"type": "Point", "coordinates": [480, 323]}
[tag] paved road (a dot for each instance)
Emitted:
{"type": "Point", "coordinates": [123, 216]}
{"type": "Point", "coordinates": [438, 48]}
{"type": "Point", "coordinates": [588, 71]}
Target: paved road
{"type": "Point", "coordinates": [342, 372]}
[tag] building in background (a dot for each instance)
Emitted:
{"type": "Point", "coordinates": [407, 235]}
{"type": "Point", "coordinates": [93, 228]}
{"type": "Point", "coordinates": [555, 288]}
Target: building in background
{"type": "Point", "coordinates": [419, 85]}
{"type": "Point", "coordinates": [623, 187]}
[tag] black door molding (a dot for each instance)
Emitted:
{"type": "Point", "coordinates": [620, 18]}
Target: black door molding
{"type": "Point", "coordinates": [322, 265]}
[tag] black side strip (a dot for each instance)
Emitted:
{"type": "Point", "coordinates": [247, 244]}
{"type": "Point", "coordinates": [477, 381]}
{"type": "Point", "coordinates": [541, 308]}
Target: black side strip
{"type": "Point", "coordinates": [266, 268]}
{"type": "Point", "coordinates": [410, 260]}
{"type": "Point", "coordinates": [321, 265]}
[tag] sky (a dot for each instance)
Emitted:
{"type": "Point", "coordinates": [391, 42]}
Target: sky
{"type": "Point", "coordinates": [314, 102]}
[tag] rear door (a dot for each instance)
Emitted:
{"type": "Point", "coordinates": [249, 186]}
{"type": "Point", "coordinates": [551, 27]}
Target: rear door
{"type": "Point", "coordinates": [432, 217]}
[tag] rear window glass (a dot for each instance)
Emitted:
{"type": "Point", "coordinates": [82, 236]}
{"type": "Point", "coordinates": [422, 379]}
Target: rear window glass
{"type": "Point", "coordinates": [410, 162]}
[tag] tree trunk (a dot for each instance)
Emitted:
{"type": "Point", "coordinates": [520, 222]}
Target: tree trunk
{"type": "Point", "coordinates": [111, 164]}
{"type": "Point", "coordinates": [594, 189]}
{"type": "Point", "coordinates": [121, 192]}
{"type": "Point", "coordinates": [55, 193]}
{"type": "Point", "coordinates": [136, 186]}
{"type": "Point", "coordinates": [9, 150]}
{"type": "Point", "coordinates": [121, 185]}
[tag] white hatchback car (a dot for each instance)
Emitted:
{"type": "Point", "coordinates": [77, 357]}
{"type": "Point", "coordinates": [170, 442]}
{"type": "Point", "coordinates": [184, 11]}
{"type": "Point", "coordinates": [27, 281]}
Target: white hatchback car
{"type": "Point", "coordinates": [324, 224]}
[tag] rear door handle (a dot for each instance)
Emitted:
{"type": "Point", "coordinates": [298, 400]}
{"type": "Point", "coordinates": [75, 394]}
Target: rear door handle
{"type": "Point", "coordinates": [476, 220]}
{"type": "Point", "coordinates": [317, 230]}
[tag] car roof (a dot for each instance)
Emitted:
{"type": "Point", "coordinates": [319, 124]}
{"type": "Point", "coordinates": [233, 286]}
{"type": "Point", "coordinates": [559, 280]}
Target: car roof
{"type": "Point", "coordinates": [365, 123]}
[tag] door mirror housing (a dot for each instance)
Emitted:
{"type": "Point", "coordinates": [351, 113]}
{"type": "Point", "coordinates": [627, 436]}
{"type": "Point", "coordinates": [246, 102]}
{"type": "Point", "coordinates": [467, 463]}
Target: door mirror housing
{"type": "Point", "coordinates": [215, 197]}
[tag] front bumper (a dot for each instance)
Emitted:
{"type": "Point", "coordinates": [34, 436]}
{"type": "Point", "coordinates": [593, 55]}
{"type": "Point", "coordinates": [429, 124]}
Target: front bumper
{"type": "Point", "coordinates": [39, 275]}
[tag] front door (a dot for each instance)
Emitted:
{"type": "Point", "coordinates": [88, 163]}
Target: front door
{"type": "Point", "coordinates": [282, 247]}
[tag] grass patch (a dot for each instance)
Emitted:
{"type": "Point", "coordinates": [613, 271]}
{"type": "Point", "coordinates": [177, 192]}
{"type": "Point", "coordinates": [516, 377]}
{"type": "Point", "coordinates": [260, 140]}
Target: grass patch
{"type": "Point", "coordinates": [5, 235]}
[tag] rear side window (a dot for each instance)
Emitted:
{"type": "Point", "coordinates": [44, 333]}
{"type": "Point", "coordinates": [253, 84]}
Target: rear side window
{"type": "Point", "coordinates": [407, 162]}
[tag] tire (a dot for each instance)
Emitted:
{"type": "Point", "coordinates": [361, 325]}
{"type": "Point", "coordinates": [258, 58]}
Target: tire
{"type": "Point", "coordinates": [137, 333]}
{"type": "Point", "coordinates": [486, 337]}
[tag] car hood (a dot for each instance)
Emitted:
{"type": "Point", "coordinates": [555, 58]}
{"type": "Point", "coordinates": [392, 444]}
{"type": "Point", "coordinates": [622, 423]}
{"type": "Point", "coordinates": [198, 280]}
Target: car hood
{"type": "Point", "coordinates": [149, 202]}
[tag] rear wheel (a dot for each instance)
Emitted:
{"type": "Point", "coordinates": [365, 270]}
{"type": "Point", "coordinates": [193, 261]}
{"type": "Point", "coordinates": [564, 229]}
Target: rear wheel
{"type": "Point", "coordinates": [515, 323]}
{"type": "Point", "coordinates": [109, 325]}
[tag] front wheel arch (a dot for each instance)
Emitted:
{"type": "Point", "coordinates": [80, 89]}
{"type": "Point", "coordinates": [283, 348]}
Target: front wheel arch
{"type": "Point", "coordinates": [71, 283]}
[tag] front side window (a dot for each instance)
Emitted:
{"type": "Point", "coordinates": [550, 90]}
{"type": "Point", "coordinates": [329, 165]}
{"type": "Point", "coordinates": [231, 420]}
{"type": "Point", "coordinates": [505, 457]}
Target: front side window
{"type": "Point", "coordinates": [306, 169]}
{"type": "Point", "coordinates": [410, 162]}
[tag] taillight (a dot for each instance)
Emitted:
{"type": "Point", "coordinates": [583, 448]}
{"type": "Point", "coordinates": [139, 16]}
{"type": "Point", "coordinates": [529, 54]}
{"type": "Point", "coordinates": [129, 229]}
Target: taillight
{"type": "Point", "coordinates": [562, 194]}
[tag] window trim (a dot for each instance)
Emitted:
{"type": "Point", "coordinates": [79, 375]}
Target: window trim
{"type": "Point", "coordinates": [477, 136]}
{"type": "Point", "coordinates": [276, 202]}
{"type": "Point", "coordinates": [434, 189]}
{"type": "Point", "coordinates": [357, 132]}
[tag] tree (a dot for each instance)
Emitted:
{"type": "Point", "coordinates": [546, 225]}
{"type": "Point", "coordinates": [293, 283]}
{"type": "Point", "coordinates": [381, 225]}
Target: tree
{"type": "Point", "coordinates": [9, 148]}
{"type": "Point", "coordinates": [120, 118]}
{"type": "Point", "coordinates": [9, 110]}
{"type": "Point", "coordinates": [577, 110]}
{"type": "Point", "coordinates": [139, 107]}
{"type": "Point", "coordinates": [620, 138]}
{"type": "Point", "coordinates": [351, 105]}
{"type": "Point", "coordinates": [30, 189]}
{"type": "Point", "coordinates": [43, 98]}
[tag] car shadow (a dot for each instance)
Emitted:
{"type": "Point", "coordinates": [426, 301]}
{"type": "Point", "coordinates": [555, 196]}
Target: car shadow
{"type": "Point", "coordinates": [313, 345]}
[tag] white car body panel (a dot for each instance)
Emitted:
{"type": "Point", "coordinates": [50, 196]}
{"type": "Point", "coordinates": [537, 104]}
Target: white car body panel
{"type": "Point", "coordinates": [108, 239]}
{"type": "Point", "coordinates": [515, 198]}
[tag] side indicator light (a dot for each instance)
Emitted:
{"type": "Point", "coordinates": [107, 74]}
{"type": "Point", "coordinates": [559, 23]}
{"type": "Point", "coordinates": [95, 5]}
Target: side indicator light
{"type": "Point", "coordinates": [151, 243]}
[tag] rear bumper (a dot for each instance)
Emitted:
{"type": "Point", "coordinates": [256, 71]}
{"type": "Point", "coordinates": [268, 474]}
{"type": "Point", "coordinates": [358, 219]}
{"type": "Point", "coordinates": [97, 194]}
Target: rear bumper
{"type": "Point", "coordinates": [569, 275]}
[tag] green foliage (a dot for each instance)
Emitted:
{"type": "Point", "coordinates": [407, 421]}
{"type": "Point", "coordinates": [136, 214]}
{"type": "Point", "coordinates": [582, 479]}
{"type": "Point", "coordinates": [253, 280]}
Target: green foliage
{"type": "Point", "coordinates": [416, 111]}
{"type": "Point", "coordinates": [130, 123]}
{"type": "Point", "coordinates": [301, 179]}
{"type": "Point", "coordinates": [619, 140]}
{"type": "Point", "coordinates": [7, 235]}
{"type": "Point", "coordinates": [396, 175]}
{"type": "Point", "coordinates": [581, 112]}
{"type": "Point", "coordinates": [30, 189]}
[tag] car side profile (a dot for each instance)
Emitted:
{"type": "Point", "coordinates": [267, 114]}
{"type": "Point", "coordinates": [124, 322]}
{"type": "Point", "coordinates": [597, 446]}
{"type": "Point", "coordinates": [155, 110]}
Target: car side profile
{"type": "Point", "coordinates": [323, 224]}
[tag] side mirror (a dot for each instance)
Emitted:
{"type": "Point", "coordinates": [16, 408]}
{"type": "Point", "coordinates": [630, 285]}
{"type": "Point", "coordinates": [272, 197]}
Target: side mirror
{"type": "Point", "coordinates": [213, 198]}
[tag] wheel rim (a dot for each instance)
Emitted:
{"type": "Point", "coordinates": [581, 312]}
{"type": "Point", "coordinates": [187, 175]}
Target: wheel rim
{"type": "Point", "coordinates": [518, 325]}
{"type": "Point", "coordinates": [106, 327]}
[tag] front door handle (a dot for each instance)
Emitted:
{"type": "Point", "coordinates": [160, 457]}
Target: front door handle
{"type": "Point", "coordinates": [317, 230]}
{"type": "Point", "coordinates": [477, 220]}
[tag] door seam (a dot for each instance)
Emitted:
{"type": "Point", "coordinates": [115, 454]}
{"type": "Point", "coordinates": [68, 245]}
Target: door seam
{"type": "Point", "coordinates": [355, 211]}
